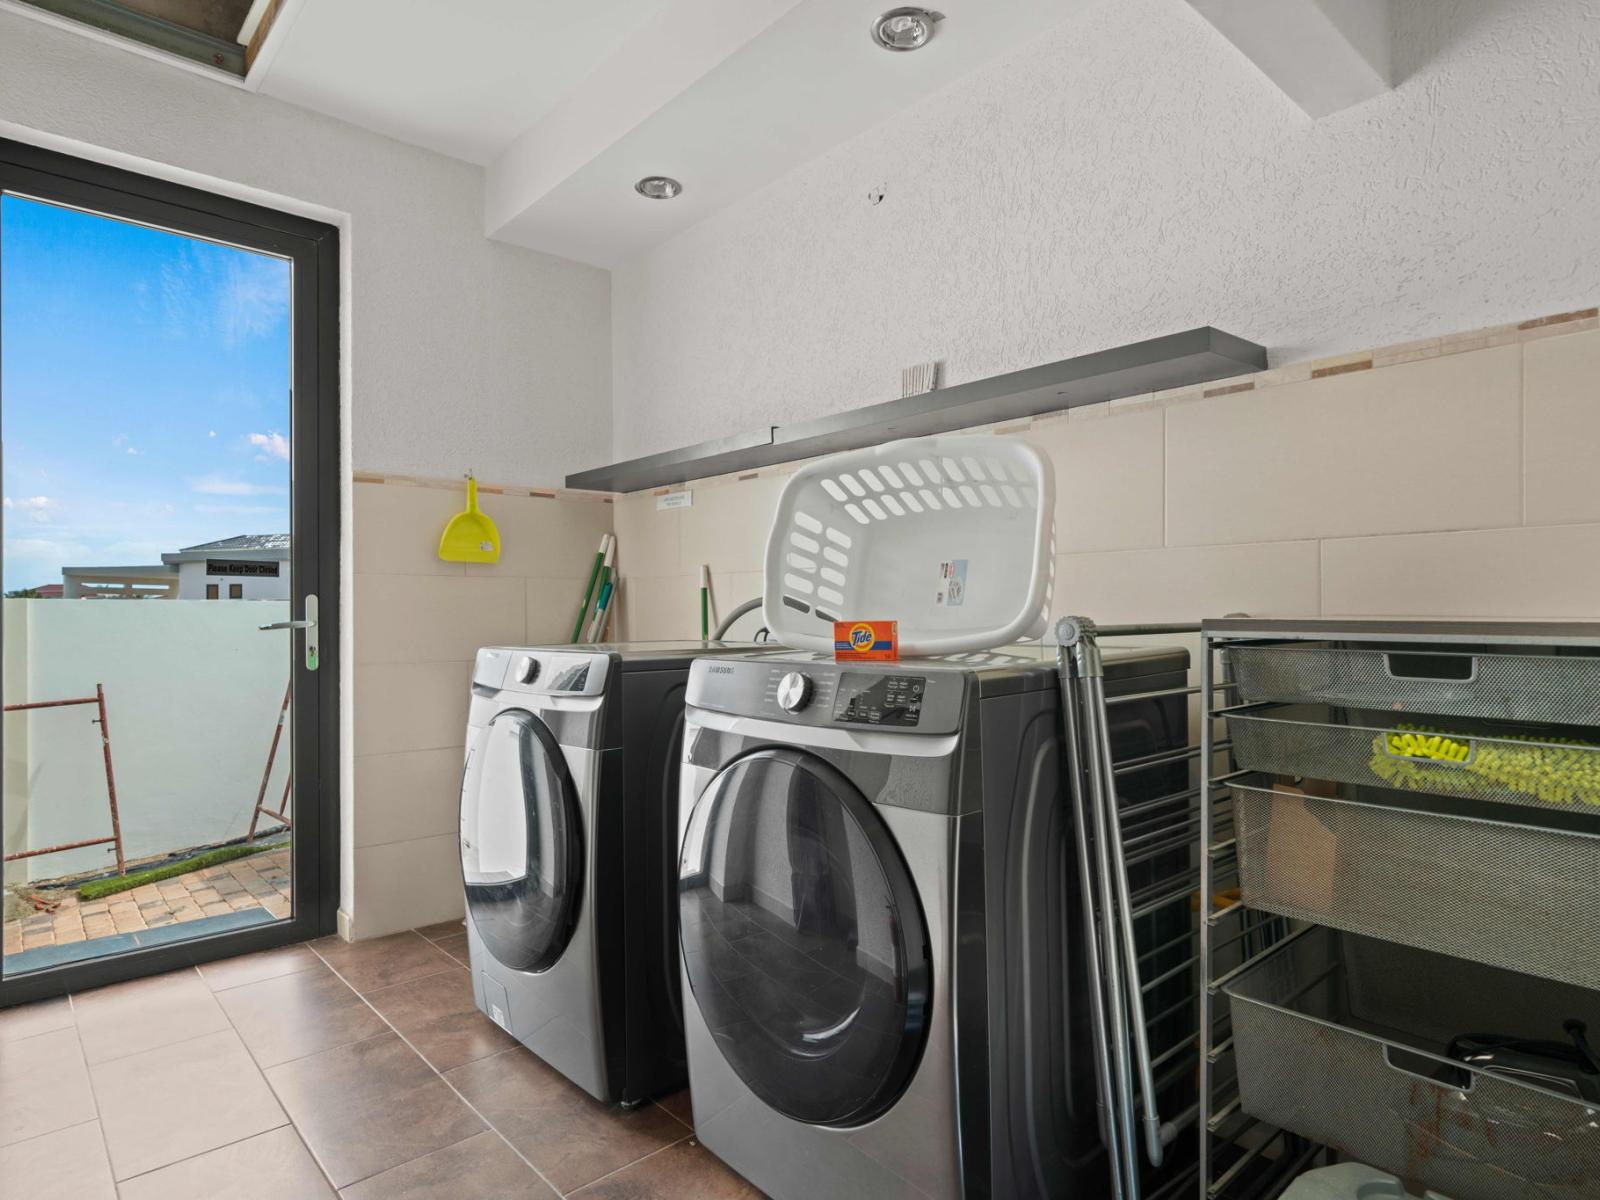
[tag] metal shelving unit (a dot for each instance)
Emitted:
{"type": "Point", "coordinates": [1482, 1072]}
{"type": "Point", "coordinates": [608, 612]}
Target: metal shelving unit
{"type": "Point", "coordinates": [1135, 819]}
{"type": "Point", "coordinates": [1368, 861]}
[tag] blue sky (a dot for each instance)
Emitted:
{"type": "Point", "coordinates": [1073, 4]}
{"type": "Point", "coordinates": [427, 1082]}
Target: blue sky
{"type": "Point", "coordinates": [144, 391]}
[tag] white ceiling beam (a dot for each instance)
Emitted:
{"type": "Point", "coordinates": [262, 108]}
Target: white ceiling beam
{"type": "Point", "coordinates": [672, 51]}
{"type": "Point", "coordinates": [1326, 55]}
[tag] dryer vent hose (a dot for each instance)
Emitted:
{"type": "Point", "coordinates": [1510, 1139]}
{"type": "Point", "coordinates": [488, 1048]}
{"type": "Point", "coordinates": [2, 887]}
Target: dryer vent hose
{"type": "Point", "coordinates": [727, 622]}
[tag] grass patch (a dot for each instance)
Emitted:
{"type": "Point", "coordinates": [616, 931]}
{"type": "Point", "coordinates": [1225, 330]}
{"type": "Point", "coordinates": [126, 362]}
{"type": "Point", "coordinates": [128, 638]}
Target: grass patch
{"type": "Point", "coordinates": [95, 889]}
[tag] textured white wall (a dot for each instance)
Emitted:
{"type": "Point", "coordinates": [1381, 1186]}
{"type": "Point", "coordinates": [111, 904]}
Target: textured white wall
{"type": "Point", "coordinates": [465, 352]}
{"type": "Point", "coordinates": [1130, 174]}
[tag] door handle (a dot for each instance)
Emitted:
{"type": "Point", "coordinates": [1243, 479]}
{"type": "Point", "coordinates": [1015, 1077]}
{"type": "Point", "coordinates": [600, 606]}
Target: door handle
{"type": "Point", "coordinates": [309, 624]}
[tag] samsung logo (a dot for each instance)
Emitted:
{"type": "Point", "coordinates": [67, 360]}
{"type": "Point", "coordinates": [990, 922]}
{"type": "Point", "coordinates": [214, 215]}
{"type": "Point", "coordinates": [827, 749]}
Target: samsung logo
{"type": "Point", "coordinates": [720, 670]}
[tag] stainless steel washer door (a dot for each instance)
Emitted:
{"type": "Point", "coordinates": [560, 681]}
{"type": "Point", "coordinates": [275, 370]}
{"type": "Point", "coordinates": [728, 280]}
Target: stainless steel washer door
{"type": "Point", "coordinates": [803, 939]}
{"type": "Point", "coordinates": [521, 842]}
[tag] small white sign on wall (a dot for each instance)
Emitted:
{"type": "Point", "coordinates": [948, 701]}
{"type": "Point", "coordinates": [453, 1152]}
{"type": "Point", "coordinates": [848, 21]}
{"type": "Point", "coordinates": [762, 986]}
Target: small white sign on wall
{"type": "Point", "coordinates": [682, 499]}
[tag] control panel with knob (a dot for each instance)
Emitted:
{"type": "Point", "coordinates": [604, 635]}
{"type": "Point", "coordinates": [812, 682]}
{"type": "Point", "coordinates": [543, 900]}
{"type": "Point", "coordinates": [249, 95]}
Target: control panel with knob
{"type": "Point", "coordinates": [794, 691]}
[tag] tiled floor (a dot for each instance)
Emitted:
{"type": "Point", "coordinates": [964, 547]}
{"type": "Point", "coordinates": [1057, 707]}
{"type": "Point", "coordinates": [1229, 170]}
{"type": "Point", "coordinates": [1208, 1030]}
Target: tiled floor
{"type": "Point", "coordinates": [358, 1070]}
{"type": "Point", "coordinates": [260, 881]}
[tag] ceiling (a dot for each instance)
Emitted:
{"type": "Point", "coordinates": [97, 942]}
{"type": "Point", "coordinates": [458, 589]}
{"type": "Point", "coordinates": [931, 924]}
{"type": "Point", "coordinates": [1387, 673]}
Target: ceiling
{"type": "Point", "coordinates": [463, 77]}
{"type": "Point", "coordinates": [567, 103]}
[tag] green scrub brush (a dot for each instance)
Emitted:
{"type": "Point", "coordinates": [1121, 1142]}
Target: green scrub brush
{"type": "Point", "coordinates": [1552, 770]}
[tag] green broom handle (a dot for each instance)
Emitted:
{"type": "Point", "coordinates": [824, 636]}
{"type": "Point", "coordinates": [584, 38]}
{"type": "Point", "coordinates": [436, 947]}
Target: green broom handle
{"type": "Point", "coordinates": [588, 592]}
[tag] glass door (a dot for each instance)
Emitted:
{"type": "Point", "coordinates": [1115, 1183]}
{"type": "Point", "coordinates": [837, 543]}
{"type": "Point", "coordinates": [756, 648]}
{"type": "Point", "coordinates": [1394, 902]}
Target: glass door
{"type": "Point", "coordinates": [169, 461]}
{"type": "Point", "coordinates": [521, 842]}
{"type": "Point", "coordinates": [803, 939]}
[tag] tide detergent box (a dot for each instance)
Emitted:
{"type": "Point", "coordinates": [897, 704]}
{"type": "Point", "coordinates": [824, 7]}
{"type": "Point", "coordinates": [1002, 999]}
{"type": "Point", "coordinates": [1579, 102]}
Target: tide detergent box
{"type": "Point", "coordinates": [866, 641]}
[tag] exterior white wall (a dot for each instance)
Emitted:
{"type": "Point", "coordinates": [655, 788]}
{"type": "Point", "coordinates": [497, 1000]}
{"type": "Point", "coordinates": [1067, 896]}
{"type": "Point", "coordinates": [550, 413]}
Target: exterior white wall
{"type": "Point", "coordinates": [192, 581]}
{"type": "Point", "coordinates": [1130, 174]}
{"type": "Point", "coordinates": [192, 697]}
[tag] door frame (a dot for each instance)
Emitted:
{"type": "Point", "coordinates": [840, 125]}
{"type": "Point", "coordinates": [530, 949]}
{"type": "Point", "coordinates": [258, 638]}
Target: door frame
{"type": "Point", "coordinates": [315, 524]}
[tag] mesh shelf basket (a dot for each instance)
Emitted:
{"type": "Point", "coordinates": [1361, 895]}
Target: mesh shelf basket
{"type": "Point", "coordinates": [1341, 1039]}
{"type": "Point", "coordinates": [1561, 689]}
{"type": "Point", "coordinates": [952, 537]}
{"type": "Point", "coordinates": [1520, 897]}
{"type": "Point", "coordinates": [1353, 746]}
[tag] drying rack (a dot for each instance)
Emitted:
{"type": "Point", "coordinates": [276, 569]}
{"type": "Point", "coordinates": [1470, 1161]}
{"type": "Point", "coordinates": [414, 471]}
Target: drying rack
{"type": "Point", "coordinates": [1136, 822]}
{"type": "Point", "coordinates": [1330, 703]}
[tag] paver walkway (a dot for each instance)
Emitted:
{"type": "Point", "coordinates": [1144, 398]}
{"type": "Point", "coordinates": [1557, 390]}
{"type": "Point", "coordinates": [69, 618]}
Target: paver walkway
{"type": "Point", "coordinates": [260, 881]}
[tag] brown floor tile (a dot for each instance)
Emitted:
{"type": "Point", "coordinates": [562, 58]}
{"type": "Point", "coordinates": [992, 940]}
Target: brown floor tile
{"type": "Point", "coordinates": [456, 948]}
{"type": "Point", "coordinates": [570, 1137]}
{"type": "Point", "coordinates": [269, 1166]}
{"type": "Point", "coordinates": [173, 1102]}
{"type": "Point", "coordinates": [678, 1105]}
{"type": "Point", "coordinates": [128, 1018]}
{"type": "Point", "coordinates": [27, 1020]}
{"type": "Point", "coordinates": [69, 1162]}
{"type": "Point", "coordinates": [687, 1171]}
{"type": "Point", "coordinates": [252, 968]}
{"type": "Point", "coordinates": [444, 929]}
{"type": "Point", "coordinates": [371, 1106]}
{"type": "Point", "coordinates": [382, 962]}
{"type": "Point", "coordinates": [436, 1014]}
{"type": "Point", "coordinates": [480, 1168]}
{"type": "Point", "coordinates": [295, 1015]}
{"type": "Point", "coordinates": [44, 1086]}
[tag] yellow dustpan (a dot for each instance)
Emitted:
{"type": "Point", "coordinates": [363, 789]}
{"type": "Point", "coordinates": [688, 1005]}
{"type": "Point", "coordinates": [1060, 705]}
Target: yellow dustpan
{"type": "Point", "coordinates": [470, 536]}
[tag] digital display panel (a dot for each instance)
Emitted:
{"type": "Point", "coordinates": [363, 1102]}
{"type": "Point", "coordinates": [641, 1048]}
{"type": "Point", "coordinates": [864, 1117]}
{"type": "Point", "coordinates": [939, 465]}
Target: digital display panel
{"type": "Point", "coordinates": [865, 699]}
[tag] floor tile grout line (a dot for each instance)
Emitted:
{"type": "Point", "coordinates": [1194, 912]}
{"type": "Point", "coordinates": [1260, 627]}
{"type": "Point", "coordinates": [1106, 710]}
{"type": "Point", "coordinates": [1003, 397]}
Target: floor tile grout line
{"type": "Point", "coordinates": [34, 1137]}
{"type": "Point", "coordinates": [687, 1137]}
{"type": "Point", "coordinates": [233, 1029]}
{"type": "Point", "coordinates": [29, 1037]}
{"type": "Point", "coordinates": [288, 1123]}
{"type": "Point", "coordinates": [262, 1071]}
{"type": "Point", "coordinates": [94, 1096]}
{"type": "Point", "coordinates": [472, 1108]}
{"type": "Point", "coordinates": [233, 987]}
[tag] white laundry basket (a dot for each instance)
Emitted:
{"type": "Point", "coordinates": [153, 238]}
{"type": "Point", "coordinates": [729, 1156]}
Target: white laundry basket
{"type": "Point", "coordinates": [952, 537]}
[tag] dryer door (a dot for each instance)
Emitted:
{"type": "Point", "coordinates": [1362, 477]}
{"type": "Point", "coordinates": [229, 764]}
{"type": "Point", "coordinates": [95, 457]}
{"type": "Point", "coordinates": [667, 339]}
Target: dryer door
{"type": "Point", "coordinates": [803, 938]}
{"type": "Point", "coordinates": [521, 842]}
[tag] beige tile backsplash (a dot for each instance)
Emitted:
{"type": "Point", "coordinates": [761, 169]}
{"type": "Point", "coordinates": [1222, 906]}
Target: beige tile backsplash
{"type": "Point", "coordinates": [1450, 477]}
{"type": "Point", "coordinates": [1434, 444]}
{"type": "Point", "coordinates": [1538, 571]}
{"type": "Point", "coordinates": [1561, 391]}
{"type": "Point", "coordinates": [418, 624]}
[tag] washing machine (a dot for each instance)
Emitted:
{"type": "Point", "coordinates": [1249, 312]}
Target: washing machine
{"type": "Point", "coordinates": [568, 857]}
{"type": "Point", "coordinates": [882, 952]}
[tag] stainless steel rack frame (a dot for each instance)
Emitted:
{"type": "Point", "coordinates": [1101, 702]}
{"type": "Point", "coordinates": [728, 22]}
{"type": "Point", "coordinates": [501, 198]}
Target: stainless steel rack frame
{"type": "Point", "coordinates": [1135, 836]}
{"type": "Point", "coordinates": [1242, 1157]}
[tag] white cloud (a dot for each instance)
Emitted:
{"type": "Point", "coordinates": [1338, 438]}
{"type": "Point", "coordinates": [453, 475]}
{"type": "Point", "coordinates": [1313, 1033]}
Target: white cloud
{"type": "Point", "coordinates": [272, 445]}
{"type": "Point", "coordinates": [217, 485]}
{"type": "Point", "coordinates": [249, 509]}
{"type": "Point", "coordinates": [234, 295]}
{"type": "Point", "coordinates": [36, 508]}
{"type": "Point", "coordinates": [132, 451]}
{"type": "Point", "coordinates": [211, 433]}
{"type": "Point", "coordinates": [54, 554]}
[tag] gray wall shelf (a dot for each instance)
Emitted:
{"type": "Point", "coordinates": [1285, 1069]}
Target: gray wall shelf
{"type": "Point", "coordinates": [1176, 360]}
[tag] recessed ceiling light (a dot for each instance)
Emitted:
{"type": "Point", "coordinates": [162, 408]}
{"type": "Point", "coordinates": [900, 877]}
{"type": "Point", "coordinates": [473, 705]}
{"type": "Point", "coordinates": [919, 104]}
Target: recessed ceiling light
{"type": "Point", "coordinates": [658, 187]}
{"type": "Point", "coordinates": [905, 28]}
